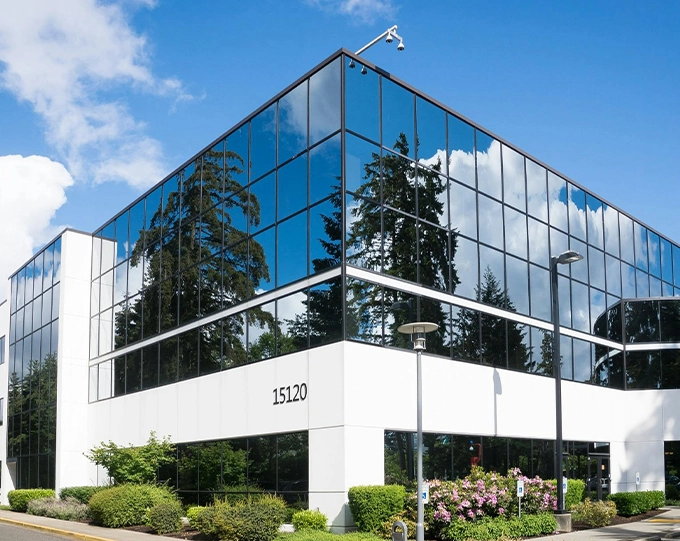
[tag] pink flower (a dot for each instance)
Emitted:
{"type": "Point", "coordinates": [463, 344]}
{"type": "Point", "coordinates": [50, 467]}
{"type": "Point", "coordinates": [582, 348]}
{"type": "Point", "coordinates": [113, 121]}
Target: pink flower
{"type": "Point", "coordinates": [501, 510]}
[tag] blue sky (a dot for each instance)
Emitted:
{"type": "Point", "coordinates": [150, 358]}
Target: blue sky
{"type": "Point", "coordinates": [100, 100]}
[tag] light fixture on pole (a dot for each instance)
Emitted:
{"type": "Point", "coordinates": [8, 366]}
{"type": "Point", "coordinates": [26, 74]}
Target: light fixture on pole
{"type": "Point", "coordinates": [418, 330]}
{"type": "Point", "coordinates": [390, 35]}
{"type": "Point", "coordinates": [565, 258]}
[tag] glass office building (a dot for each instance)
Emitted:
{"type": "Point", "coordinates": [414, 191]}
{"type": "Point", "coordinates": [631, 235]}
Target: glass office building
{"type": "Point", "coordinates": [247, 306]}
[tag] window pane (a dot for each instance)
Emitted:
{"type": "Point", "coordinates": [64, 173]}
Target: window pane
{"type": "Point", "coordinates": [397, 118]}
{"type": "Point", "coordinates": [292, 187]}
{"type": "Point", "coordinates": [513, 179]}
{"type": "Point", "coordinates": [537, 195]}
{"type": "Point", "coordinates": [325, 169]}
{"type": "Point", "coordinates": [515, 232]}
{"type": "Point", "coordinates": [263, 142]}
{"type": "Point", "coordinates": [324, 102]}
{"type": "Point", "coordinates": [292, 249]}
{"type": "Point", "coordinates": [461, 151]}
{"type": "Point", "coordinates": [293, 122]}
{"type": "Point", "coordinates": [595, 210]}
{"type": "Point", "coordinates": [431, 128]}
{"type": "Point", "coordinates": [557, 201]}
{"type": "Point", "coordinates": [362, 103]}
{"type": "Point", "coordinates": [463, 210]}
{"type": "Point", "coordinates": [262, 203]}
{"type": "Point", "coordinates": [611, 230]}
{"type": "Point", "coordinates": [488, 165]}
{"type": "Point", "coordinates": [489, 212]}
{"type": "Point", "coordinates": [577, 212]}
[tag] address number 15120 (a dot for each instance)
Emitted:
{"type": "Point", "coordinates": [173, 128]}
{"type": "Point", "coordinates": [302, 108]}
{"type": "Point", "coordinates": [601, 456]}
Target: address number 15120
{"type": "Point", "coordinates": [286, 395]}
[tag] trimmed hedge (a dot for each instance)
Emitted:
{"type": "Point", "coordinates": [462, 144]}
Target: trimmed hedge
{"type": "Point", "coordinates": [490, 529]}
{"type": "Point", "coordinates": [574, 494]}
{"type": "Point", "coordinates": [373, 505]}
{"type": "Point", "coordinates": [82, 494]}
{"type": "Point", "coordinates": [595, 514]}
{"type": "Point", "coordinates": [18, 499]}
{"type": "Point", "coordinates": [636, 503]}
{"type": "Point", "coordinates": [126, 505]}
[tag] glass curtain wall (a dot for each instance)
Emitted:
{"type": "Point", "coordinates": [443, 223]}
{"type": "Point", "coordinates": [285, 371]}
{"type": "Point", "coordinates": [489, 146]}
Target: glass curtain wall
{"type": "Point", "coordinates": [259, 210]}
{"type": "Point", "coordinates": [32, 393]}
{"type": "Point", "coordinates": [435, 201]}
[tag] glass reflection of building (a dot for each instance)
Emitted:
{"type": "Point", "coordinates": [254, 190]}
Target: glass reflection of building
{"type": "Point", "coordinates": [287, 253]}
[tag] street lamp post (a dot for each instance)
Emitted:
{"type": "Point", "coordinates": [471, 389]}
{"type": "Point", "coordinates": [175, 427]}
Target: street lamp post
{"type": "Point", "coordinates": [565, 258]}
{"type": "Point", "coordinates": [417, 331]}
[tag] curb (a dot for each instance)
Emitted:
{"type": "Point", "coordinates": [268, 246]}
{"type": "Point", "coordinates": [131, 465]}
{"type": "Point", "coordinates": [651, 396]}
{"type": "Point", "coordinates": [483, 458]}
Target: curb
{"type": "Point", "coordinates": [49, 529]}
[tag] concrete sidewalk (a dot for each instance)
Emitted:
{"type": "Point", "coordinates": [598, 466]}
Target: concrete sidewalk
{"type": "Point", "coordinates": [663, 526]}
{"type": "Point", "coordinates": [76, 530]}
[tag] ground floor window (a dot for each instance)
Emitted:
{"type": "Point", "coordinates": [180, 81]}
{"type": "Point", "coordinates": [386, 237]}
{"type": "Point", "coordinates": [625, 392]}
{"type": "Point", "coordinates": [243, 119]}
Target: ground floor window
{"type": "Point", "coordinates": [234, 468]}
{"type": "Point", "coordinates": [450, 456]}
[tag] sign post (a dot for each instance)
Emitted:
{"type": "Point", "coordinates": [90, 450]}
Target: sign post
{"type": "Point", "coordinates": [426, 493]}
{"type": "Point", "coordinates": [637, 481]}
{"type": "Point", "coordinates": [520, 493]}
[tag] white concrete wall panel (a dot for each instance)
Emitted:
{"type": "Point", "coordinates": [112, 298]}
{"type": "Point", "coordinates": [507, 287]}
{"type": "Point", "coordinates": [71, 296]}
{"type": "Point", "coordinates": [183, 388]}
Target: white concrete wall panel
{"type": "Point", "coordinates": [72, 468]}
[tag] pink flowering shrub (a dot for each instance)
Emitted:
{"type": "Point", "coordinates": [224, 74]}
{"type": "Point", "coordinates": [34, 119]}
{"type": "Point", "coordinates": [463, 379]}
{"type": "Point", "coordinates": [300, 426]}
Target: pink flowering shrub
{"type": "Point", "coordinates": [483, 494]}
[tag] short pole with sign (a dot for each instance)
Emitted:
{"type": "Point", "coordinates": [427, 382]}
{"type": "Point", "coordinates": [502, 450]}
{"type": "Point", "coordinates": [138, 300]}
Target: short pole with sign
{"type": "Point", "coordinates": [520, 494]}
{"type": "Point", "coordinates": [637, 481]}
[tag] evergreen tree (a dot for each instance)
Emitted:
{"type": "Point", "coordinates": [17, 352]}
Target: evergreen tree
{"type": "Point", "coordinates": [188, 274]}
{"type": "Point", "coordinates": [386, 236]}
{"type": "Point", "coordinates": [489, 339]}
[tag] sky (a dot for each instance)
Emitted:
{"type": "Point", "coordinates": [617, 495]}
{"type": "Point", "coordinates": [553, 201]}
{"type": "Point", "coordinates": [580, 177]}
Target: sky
{"type": "Point", "coordinates": [100, 100]}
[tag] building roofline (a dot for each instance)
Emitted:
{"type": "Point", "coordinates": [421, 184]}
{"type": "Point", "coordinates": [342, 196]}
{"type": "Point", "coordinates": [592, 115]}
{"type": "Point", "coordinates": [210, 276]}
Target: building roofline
{"type": "Point", "coordinates": [345, 52]}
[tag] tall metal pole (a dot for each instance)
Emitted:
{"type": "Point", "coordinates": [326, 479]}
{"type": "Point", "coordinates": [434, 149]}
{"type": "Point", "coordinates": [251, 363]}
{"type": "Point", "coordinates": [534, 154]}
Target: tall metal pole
{"type": "Point", "coordinates": [557, 370]}
{"type": "Point", "coordinates": [420, 530]}
{"type": "Point", "coordinates": [565, 258]}
{"type": "Point", "coordinates": [417, 331]}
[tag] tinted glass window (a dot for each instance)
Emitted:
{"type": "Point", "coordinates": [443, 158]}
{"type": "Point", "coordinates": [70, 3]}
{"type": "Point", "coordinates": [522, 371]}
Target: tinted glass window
{"type": "Point", "coordinates": [324, 102]}
{"type": "Point", "coordinates": [362, 102]}
{"type": "Point", "coordinates": [397, 118]}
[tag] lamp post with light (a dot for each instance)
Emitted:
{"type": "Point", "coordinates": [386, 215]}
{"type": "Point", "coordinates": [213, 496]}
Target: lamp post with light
{"type": "Point", "coordinates": [565, 258]}
{"type": "Point", "coordinates": [417, 331]}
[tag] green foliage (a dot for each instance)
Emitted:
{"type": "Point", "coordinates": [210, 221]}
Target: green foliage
{"type": "Point", "coordinates": [165, 517]}
{"type": "Point", "coordinates": [82, 494]}
{"type": "Point", "coordinates": [18, 499]}
{"type": "Point", "coordinates": [373, 505]}
{"type": "Point", "coordinates": [192, 515]}
{"type": "Point", "coordinates": [672, 492]}
{"type": "Point", "coordinates": [574, 493]}
{"type": "Point", "coordinates": [257, 521]}
{"type": "Point", "coordinates": [126, 505]}
{"type": "Point", "coordinates": [309, 520]}
{"type": "Point", "coordinates": [317, 535]}
{"type": "Point", "coordinates": [491, 529]}
{"type": "Point", "coordinates": [133, 464]}
{"type": "Point", "coordinates": [595, 514]}
{"type": "Point", "coordinates": [408, 517]}
{"type": "Point", "coordinates": [636, 503]}
{"type": "Point", "coordinates": [66, 509]}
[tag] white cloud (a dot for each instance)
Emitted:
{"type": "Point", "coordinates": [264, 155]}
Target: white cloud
{"type": "Point", "coordinates": [31, 191]}
{"type": "Point", "coordinates": [365, 10]}
{"type": "Point", "coordinates": [66, 59]}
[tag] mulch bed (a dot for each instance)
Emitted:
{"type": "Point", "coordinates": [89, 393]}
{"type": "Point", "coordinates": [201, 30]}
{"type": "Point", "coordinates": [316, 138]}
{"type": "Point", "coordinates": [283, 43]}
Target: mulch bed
{"type": "Point", "coordinates": [577, 526]}
{"type": "Point", "coordinates": [190, 534]}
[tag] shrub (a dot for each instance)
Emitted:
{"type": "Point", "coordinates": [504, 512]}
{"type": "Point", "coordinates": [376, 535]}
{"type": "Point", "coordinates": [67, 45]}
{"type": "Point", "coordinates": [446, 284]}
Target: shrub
{"type": "Point", "coordinates": [258, 521]}
{"type": "Point", "coordinates": [165, 517]}
{"type": "Point", "coordinates": [407, 517]}
{"type": "Point", "coordinates": [595, 514]}
{"type": "Point", "coordinates": [67, 509]}
{"type": "Point", "coordinates": [316, 535]}
{"type": "Point", "coordinates": [18, 499]}
{"type": "Point", "coordinates": [574, 493]}
{"type": "Point", "coordinates": [672, 492]}
{"type": "Point", "coordinates": [192, 515]}
{"type": "Point", "coordinates": [373, 505]}
{"type": "Point", "coordinates": [126, 505]}
{"type": "Point", "coordinates": [309, 520]}
{"type": "Point", "coordinates": [636, 503]}
{"type": "Point", "coordinates": [82, 494]}
{"type": "Point", "coordinates": [492, 528]}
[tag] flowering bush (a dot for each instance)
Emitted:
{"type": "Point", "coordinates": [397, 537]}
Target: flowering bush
{"type": "Point", "coordinates": [483, 494]}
